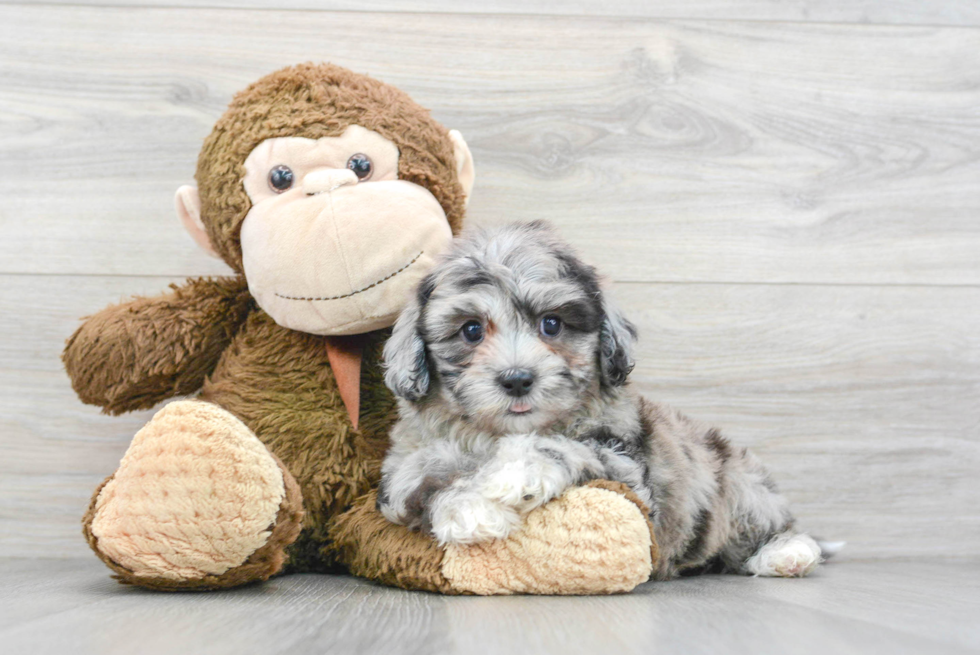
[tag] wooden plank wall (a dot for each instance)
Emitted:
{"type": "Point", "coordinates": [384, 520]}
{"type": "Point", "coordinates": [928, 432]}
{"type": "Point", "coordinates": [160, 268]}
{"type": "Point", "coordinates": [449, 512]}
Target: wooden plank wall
{"type": "Point", "coordinates": [786, 196]}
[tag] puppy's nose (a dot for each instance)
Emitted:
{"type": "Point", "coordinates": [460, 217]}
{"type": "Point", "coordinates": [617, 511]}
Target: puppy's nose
{"type": "Point", "coordinates": [327, 179]}
{"type": "Point", "coordinates": [516, 382]}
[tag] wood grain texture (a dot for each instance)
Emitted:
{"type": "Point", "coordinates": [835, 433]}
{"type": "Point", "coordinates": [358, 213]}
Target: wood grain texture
{"type": "Point", "coordinates": [671, 151]}
{"type": "Point", "coordinates": [897, 12]}
{"type": "Point", "coordinates": [52, 606]}
{"type": "Point", "coordinates": [862, 400]}
{"type": "Point", "coordinates": [790, 212]}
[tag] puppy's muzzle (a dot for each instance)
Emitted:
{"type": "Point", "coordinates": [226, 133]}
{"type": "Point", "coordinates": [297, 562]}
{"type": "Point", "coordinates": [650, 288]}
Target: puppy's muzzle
{"type": "Point", "coordinates": [516, 382]}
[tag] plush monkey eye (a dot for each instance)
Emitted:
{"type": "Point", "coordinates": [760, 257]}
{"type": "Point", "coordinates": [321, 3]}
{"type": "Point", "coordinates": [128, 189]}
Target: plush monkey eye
{"type": "Point", "coordinates": [280, 178]}
{"type": "Point", "coordinates": [472, 331]}
{"type": "Point", "coordinates": [550, 325]}
{"type": "Point", "coordinates": [361, 165]}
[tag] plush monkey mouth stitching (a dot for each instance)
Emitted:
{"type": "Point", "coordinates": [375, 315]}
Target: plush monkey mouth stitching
{"type": "Point", "coordinates": [354, 293]}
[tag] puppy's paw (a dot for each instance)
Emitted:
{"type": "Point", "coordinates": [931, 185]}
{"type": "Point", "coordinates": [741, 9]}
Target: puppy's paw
{"type": "Point", "coordinates": [526, 485]}
{"type": "Point", "coordinates": [786, 556]}
{"type": "Point", "coordinates": [471, 519]}
{"type": "Point", "coordinates": [517, 485]}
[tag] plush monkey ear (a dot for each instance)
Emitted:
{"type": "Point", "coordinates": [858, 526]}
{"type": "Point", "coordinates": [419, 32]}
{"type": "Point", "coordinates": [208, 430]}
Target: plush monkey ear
{"type": "Point", "coordinates": [616, 339]}
{"type": "Point", "coordinates": [188, 204]}
{"type": "Point", "coordinates": [405, 361]}
{"type": "Point", "coordinates": [465, 170]}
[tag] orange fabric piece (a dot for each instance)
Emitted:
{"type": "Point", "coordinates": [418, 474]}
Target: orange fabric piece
{"type": "Point", "coordinates": [344, 354]}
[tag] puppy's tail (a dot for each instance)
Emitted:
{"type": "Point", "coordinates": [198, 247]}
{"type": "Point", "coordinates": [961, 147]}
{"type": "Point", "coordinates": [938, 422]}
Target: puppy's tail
{"type": "Point", "coordinates": [829, 548]}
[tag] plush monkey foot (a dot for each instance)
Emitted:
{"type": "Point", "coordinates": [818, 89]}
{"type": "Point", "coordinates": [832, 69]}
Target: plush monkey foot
{"type": "Point", "coordinates": [197, 502]}
{"type": "Point", "coordinates": [591, 540]}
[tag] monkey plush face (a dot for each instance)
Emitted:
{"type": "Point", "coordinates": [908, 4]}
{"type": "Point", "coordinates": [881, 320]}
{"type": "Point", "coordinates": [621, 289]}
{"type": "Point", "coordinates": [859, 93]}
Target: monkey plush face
{"type": "Point", "coordinates": [332, 193]}
{"type": "Point", "coordinates": [334, 241]}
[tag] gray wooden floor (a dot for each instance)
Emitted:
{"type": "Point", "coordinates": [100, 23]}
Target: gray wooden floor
{"type": "Point", "coordinates": [71, 606]}
{"type": "Point", "coordinates": [784, 194]}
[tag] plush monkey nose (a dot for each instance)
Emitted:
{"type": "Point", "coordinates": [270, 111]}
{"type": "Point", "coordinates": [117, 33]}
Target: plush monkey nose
{"type": "Point", "coordinates": [326, 180]}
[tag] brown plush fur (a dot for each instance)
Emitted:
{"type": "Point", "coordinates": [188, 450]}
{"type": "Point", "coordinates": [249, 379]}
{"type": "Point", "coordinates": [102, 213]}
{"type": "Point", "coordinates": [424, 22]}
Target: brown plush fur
{"type": "Point", "coordinates": [280, 384]}
{"type": "Point", "coordinates": [372, 547]}
{"type": "Point", "coordinates": [134, 355]}
{"type": "Point", "coordinates": [210, 335]}
{"type": "Point", "coordinates": [316, 101]}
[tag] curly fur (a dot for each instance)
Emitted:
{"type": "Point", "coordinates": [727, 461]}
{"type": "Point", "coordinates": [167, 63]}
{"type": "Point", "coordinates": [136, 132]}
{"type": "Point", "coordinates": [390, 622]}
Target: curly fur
{"type": "Point", "coordinates": [209, 336]}
{"type": "Point", "coordinates": [472, 453]}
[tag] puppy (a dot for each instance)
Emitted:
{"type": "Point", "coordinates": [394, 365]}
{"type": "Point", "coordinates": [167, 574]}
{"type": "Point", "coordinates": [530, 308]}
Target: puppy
{"type": "Point", "coordinates": [510, 365]}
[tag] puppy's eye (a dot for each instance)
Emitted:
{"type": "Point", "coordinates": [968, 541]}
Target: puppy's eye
{"type": "Point", "coordinates": [281, 178]}
{"type": "Point", "coordinates": [550, 325]}
{"type": "Point", "coordinates": [472, 332]}
{"type": "Point", "coordinates": [361, 165]}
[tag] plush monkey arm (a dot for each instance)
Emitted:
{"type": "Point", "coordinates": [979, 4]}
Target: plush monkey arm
{"type": "Point", "coordinates": [136, 354]}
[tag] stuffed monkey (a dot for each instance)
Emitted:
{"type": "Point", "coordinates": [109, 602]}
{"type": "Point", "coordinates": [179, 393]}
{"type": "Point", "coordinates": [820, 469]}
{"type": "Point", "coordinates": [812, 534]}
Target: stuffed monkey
{"type": "Point", "coordinates": [329, 194]}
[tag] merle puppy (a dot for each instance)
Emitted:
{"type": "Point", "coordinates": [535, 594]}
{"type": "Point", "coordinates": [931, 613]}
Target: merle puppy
{"type": "Point", "coordinates": [510, 365]}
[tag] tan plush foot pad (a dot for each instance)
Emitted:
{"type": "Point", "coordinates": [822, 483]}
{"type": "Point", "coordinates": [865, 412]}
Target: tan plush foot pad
{"type": "Point", "coordinates": [591, 540]}
{"type": "Point", "coordinates": [195, 497]}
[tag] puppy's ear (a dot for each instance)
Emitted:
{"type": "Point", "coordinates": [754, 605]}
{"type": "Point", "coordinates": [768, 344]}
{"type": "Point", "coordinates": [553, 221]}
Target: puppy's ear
{"type": "Point", "coordinates": [616, 339]}
{"type": "Point", "coordinates": [405, 360]}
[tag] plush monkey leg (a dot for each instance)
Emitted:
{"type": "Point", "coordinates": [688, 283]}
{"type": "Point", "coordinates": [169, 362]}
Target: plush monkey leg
{"type": "Point", "coordinates": [595, 539]}
{"type": "Point", "coordinates": [197, 502]}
